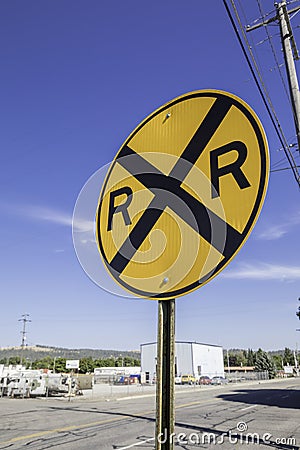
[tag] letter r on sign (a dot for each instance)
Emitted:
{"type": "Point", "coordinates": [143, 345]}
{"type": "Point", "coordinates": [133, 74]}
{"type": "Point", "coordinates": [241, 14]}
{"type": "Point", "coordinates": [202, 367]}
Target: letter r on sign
{"type": "Point", "coordinates": [234, 168]}
{"type": "Point", "coordinates": [122, 208]}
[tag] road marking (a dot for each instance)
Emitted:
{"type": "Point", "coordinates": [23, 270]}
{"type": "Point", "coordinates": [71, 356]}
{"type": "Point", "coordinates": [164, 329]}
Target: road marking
{"type": "Point", "coordinates": [248, 407]}
{"type": "Point", "coordinates": [106, 421]}
{"type": "Point", "coordinates": [186, 405]}
{"type": "Point", "coordinates": [69, 428]}
{"type": "Point", "coordinates": [137, 443]}
{"type": "Point", "coordinates": [92, 424]}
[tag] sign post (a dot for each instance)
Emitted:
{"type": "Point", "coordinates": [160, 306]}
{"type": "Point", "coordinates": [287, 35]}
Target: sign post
{"type": "Point", "coordinates": [165, 376]}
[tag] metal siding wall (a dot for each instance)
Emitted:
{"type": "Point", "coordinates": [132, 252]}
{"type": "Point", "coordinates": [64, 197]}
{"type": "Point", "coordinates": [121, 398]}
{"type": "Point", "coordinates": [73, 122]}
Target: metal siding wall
{"type": "Point", "coordinates": [184, 358]}
{"type": "Point", "coordinates": [188, 357]}
{"type": "Point", "coordinates": [148, 359]}
{"type": "Point", "coordinates": [209, 358]}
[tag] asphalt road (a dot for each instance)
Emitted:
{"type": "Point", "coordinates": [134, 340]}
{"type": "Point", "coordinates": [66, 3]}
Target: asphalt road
{"type": "Point", "coordinates": [264, 416]}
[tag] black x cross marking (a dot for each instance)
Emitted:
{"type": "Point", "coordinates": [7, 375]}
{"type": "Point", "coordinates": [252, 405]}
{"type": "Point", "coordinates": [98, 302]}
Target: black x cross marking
{"type": "Point", "coordinates": [167, 188]}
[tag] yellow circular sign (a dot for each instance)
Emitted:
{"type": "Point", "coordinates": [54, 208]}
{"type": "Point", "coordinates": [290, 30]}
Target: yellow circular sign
{"type": "Point", "coordinates": [182, 194]}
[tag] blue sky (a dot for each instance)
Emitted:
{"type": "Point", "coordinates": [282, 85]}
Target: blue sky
{"type": "Point", "coordinates": [76, 78]}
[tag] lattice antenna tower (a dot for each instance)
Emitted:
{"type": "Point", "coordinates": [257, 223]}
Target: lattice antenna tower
{"type": "Point", "coordinates": [25, 319]}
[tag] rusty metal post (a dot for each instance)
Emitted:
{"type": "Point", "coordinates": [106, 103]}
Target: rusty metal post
{"type": "Point", "coordinates": [165, 376]}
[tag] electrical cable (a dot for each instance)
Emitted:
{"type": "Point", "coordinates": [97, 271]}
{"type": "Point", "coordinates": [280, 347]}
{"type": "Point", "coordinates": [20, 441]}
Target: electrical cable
{"type": "Point", "coordinates": [280, 170]}
{"type": "Point", "coordinates": [278, 130]}
{"type": "Point", "coordinates": [282, 160]}
{"type": "Point", "coordinates": [274, 55]}
{"type": "Point", "coordinates": [291, 1]}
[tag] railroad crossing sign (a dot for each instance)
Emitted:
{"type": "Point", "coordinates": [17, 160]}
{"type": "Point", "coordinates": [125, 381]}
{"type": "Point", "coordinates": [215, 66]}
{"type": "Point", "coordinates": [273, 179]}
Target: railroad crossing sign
{"type": "Point", "coordinates": [182, 194]}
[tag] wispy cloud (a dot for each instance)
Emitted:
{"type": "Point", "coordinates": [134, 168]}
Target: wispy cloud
{"type": "Point", "coordinates": [277, 231]}
{"type": "Point", "coordinates": [264, 271]}
{"type": "Point", "coordinates": [61, 218]}
{"type": "Point", "coordinates": [48, 215]}
{"type": "Point", "coordinates": [274, 232]}
{"type": "Point", "coordinates": [45, 214]}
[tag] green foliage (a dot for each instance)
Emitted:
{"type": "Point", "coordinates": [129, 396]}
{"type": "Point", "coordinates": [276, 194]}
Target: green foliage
{"type": "Point", "coordinates": [288, 357]}
{"type": "Point", "coordinates": [264, 363]}
{"type": "Point", "coordinates": [45, 363]}
{"type": "Point", "coordinates": [250, 357]}
{"type": "Point", "coordinates": [239, 358]}
{"type": "Point", "coordinates": [108, 362]}
{"type": "Point", "coordinates": [261, 360]}
{"type": "Point", "coordinates": [86, 365]}
{"type": "Point", "coordinates": [59, 365]}
{"type": "Point", "coordinates": [52, 358]}
{"type": "Point", "coordinates": [3, 361]}
{"type": "Point", "coordinates": [14, 360]}
{"type": "Point", "coordinates": [136, 362]}
{"type": "Point", "coordinates": [278, 361]}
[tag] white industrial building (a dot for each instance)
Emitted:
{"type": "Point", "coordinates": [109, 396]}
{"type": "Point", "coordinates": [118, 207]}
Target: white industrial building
{"type": "Point", "coordinates": [191, 358]}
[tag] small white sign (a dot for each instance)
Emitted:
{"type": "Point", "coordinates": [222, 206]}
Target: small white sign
{"type": "Point", "coordinates": [288, 369]}
{"type": "Point", "coordinates": [72, 364]}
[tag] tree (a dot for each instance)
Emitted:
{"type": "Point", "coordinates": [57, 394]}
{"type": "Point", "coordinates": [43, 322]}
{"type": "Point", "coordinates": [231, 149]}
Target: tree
{"type": "Point", "coordinates": [236, 358]}
{"type": "Point", "coordinates": [86, 365]}
{"type": "Point", "coordinates": [278, 361]}
{"type": "Point", "coordinates": [250, 357]}
{"type": "Point", "coordinates": [44, 363]}
{"type": "Point", "coordinates": [14, 360]}
{"type": "Point", "coordinates": [59, 365]}
{"type": "Point", "coordinates": [136, 362]}
{"type": "Point", "coordinates": [119, 362]}
{"type": "Point", "coordinates": [288, 357]}
{"type": "Point", "coordinates": [109, 362]}
{"type": "Point", "coordinates": [130, 362]}
{"type": "Point", "coordinates": [263, 363]}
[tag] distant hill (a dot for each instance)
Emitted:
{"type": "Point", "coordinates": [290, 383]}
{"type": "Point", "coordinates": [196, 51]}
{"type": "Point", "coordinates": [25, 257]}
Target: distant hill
{"type": "Point", "coordinates": [38, 352]}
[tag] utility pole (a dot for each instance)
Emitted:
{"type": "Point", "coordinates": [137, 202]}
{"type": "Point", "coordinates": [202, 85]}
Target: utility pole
{"type": "Point", "coordinates": [24, 319]}
{"type": "Point", "coordinates": [298, 312]}
{"type": "Point", "coordinates": [296, 360]}
{"type": "Point", "coordinates": [228, 361]}
{"type": "Point", "coordinates": [290, 54]}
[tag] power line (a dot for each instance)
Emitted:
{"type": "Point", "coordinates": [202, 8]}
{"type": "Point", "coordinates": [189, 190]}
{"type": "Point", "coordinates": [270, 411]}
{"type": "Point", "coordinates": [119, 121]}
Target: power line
{"type": "Point", "coordinates": [292, 1]}
{"type": "Point", "coordinates": [269, 38]}
{"type": "Point", "coordinates": [283, 159]}
{"type": "Point", "coordinates": [290, 51]}
{"type": "Point", "coordinates": [280, 170]}
{"type": "Point", "coordinates": [262, 89]}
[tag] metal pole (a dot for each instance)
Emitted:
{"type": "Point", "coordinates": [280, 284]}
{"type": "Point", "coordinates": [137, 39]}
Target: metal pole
{"type": "Point", "coordinates": [165, 376]}
{"type": "Point", "coordinates": [287, 42]}
{"type": "Point", "coordinates": [290, 53]}
{"type": "Point", "coordinates": [228, 362]}
{"type": "Point", "coordinates": [24, 319]}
